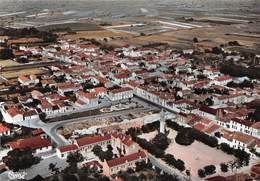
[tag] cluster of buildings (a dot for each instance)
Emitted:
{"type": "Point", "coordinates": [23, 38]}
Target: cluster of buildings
{"type": "Point", "coordinates": [200, 96]}
{"type": "Point", "coordinates": [129, 154]}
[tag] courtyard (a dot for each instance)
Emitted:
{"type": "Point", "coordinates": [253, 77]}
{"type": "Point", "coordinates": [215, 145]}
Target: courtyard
{"type": "Point", "coordinates": [196, 156]}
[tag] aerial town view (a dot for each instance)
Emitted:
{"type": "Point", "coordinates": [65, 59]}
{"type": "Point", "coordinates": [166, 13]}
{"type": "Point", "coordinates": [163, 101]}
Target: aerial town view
{"type": "Point", "coordinates": [130, 90]}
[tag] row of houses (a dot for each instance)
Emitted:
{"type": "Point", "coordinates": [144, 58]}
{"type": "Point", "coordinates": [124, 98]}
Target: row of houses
{"type": "Point", "coordinates": [131, 151]}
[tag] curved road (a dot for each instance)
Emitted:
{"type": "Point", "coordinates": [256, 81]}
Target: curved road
{"type": "Point", "coordinates": [51, 128]}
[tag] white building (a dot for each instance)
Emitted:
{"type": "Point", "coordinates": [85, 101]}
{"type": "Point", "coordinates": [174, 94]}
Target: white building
{"type": "Point", "coordinates": [120, 94]}
{"type": "Point", "coordinates": [87, 143]}
{"type": "Point", "coordinates": [63, 151]}
{"type": "Point", "coordinates": [37, 144]}
{"type": "Point", "coordinates": [86, 99]}
{"type": "Point", "coordinates": [123, 163]}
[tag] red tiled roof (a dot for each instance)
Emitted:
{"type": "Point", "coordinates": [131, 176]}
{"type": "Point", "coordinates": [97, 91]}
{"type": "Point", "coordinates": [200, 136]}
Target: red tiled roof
{"type": "Point", "coordinates": [242, 121]}
{"type": "Point", "coordinates": [67, 148]}
{"type": "Point", "coordinates": [208, 110]}
{"type": "Point", "coordinates": [92, 139]}
{"type": "Point", "coordinates": [123, 89]}
{"type": "Point", "coordinates": [99, 90]}
{"type": "Point", "coordinates": [199, 126]}
{"type": "Point", "coordinates": [32, 142]}
{"type": "Point", "coordinates": [13, 111]}
{"type": "Point", "coordinates": [128, 158]}
{"type": "Point", "coordinates": [23, 78]}
{"type": "Point", "coordinates": [3, 128]}
{"type": "Point", "coordinates": [37, 132]}
{"type": "Point", "coordinates": [125, 139]}
{"type": "Point", "coordinates": [243, 138]}
{"type": "Point", "coordinates": [223, 78]}
{"type": "Point", "coordinates": [205, 121]}
{"type": "Point", "coordinates": [212, 128]}
{"type": "Point", "coordinates": [90, 95]}
{"type": "Point", "coordinates": [121, 76]}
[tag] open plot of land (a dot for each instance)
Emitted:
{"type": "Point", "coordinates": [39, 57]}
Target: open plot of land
{"type": "Point", "coordinates": [7, 63]}
{"type": "Point", "coordinates": [100, 34]}
{"type": "Point", "coordinates": [86, 26]}
{"type": "Point", "coordinates": [17, 73]}
{"type": "Point", "coordinates": [208, 37]}
{"type": "Point", "coordinates": [197, 155]}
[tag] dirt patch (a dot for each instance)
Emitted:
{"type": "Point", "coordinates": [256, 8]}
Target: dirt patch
{"type": "Point", "coordinates": [17, 73]}
{"type": "Point", "coordinates": [100, 34]}
{"type": "Point", "coordinates": [86, 26]}
{"type": "Point", "coordinates": [8, 63]}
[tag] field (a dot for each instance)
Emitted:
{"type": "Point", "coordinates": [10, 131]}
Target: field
{"type": "Point", "coordinates": [208, 37]}
{"type": "Point", "coordinates": [7, 63]}
{"type": "Point", "coordinates": [87, 26]}
{"type": "Point", "coordinates": [100, 34]}
{"type": "Point", "coordinates": [15, 74]}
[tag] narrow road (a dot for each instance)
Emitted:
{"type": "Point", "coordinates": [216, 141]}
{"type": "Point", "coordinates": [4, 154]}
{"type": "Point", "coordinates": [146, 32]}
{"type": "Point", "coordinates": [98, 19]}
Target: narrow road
{"type": "Point", "coordinates": [165, 168]}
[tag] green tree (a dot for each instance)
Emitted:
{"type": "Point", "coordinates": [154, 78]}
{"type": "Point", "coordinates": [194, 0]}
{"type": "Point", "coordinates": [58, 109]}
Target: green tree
{"type": "Point", "coordinates": [74, 158]}
{"type": "Point", "coordinates": [224, 167]}
{"type": "Point", "coordinates": [210, 169]}
{"type": "Point", "coordinates": [20, 159]}
{"type": "Point", "coordinates": [161, 141]}
{"type": "Point", "coordinates": [201, 173]}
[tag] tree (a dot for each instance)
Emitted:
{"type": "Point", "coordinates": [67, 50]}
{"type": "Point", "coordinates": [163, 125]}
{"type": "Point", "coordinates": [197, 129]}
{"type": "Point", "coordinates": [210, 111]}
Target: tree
{"type": "Point", "coordinates": [209, 101]}
{"type": "Point", "coordinates": [161, 141]}
{"type": "Point", "coordinates": [224, 167]}
{"type": "Point", "coordinates": [179, 164]}
{"type": "Point", "coordinates": [20, 159]}
{"type": "Point", "coordinates": [139, 166]}
{"type": "Point", "coordinates": [6, 53]}
{"type": "Point", "coordinates": [188, 173]}
{"type": "Point", "coordinates": [74, 158]}
{"type": "Point", "coordinates": [216, 50]}
{"type": "Point", "coordinates": [195, 40]}
{"type": "Point", "coordinates": [184, 137]}
{"type": "Point", "coordinates": [210, 169]}
{"type": "Point", "coordinates": [53, 168]}
{"type": "Point", "coordinates": [103, 155]}
{"type": "Point", "coordinates": [226, 148]}
{"type": "Point", "coordinates": [42, 116]}
{"type": "Point", "coordinates": [201, 173]}
{"type": "Point", "coordinates": [218, 134]}
{"type": "Point", "coordinates": [97, 150]}
{"type": "Point", "coordinates": [109, 147]}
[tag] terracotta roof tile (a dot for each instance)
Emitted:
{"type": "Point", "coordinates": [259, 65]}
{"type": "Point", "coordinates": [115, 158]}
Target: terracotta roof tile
{"type": "Point", "coordinates": [124, 159]}
{"type": "Point", "coordinates": [67, 148]}
{"type": "Point", "coordinates": [92, 139]}
{"type": "Point", "coordinates": [32, 142]}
